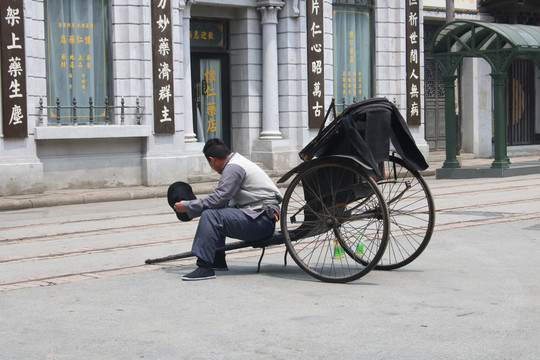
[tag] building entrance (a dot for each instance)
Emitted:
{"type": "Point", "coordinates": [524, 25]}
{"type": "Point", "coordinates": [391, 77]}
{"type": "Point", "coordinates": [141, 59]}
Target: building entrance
{"type": "Point", "coordinates": [211, 107]}
{"type": "Point", "coordinates": [433, 95]}
{"type": "Point", "coordinates": [210, 79]}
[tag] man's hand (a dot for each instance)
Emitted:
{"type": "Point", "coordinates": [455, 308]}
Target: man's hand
{"type": "Point", "coordinates": [179, 207]}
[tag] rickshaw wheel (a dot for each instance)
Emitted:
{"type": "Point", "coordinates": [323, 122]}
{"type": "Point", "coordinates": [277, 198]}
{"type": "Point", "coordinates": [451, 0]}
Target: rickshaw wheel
{"type": "Point", "coordinates": [412, 213]}
{"type": "Point", "coordinates": [334, 221]}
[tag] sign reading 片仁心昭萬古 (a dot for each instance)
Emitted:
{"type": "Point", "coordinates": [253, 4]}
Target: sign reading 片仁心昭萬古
{"type": "Point", "coordinates": [162, 66]}
{"type": "Point", "coordinates": [412, 57]}
{"type": "Point", "coordinates": [13, 62]}
{"type": "Point", "coordinates": [315, 62]}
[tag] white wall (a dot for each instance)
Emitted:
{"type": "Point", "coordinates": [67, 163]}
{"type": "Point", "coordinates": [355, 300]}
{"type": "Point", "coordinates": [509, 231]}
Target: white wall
{"type": "Point", "coordinates": [390, 61]}
{"type": "Point", "coordinates": [476, 107]}
{"type": "Point", "coordinates": [246, 79]}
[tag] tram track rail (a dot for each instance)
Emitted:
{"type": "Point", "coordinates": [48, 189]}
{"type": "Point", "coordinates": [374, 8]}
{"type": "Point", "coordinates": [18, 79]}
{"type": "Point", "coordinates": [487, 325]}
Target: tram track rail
{"type": "Point", "coordinates": [81, 233]}
{"type": "Point", "coordinates": [440, 193]}
{"type": "Point", "coordinates": [180, 239]}
{"type": "Point", "coordinates": [85, 220]}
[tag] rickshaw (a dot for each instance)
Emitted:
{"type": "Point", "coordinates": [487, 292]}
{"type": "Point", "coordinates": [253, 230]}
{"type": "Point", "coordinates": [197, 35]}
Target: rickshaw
{"type": "Point", "coordinates": [357, 202]}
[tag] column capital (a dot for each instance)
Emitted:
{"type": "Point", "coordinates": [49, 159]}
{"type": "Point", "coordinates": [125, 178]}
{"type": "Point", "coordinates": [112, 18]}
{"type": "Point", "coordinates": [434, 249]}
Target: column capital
{"type": "Point", "coordinates": [187, 9]}
{"type": "Point", "coordinates": [499, 78]}
{"type": "Point", "coordinates": [269, 10]}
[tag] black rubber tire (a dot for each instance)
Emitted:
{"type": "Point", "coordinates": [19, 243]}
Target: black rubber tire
{"type": "Point", "coordinates": [324, 208]}
{"type": "Point", "coordinates": [412, 213]}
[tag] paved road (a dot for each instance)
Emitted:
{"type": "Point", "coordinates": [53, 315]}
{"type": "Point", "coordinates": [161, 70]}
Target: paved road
{"type": "Point", "coordinates": [73, 285]}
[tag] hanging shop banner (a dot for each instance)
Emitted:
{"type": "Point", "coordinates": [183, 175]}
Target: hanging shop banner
{"type": "Point", "coordinates": [162, 65]}
{"type": "Point", "coordinates": [210, 108]}
{"type": "Point", "coordinates": [412, 53]}
{"type": "Point", "coordinates": [14, 111]}
{"type": "Point", "coordinates": [315, 61]}
{"type": "Point", "coordinates": [351, 55]}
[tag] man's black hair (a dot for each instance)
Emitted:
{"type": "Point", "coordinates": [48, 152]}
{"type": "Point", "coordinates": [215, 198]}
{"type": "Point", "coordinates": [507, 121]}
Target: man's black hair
{"type": "Point", "coordinates": [216, 148]}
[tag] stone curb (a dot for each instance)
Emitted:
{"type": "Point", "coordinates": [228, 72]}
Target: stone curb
{"type": "Point", "coordinates": [87, 196]}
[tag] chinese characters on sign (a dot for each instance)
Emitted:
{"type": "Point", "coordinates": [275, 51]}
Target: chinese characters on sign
{"type": "Point", "coordinates": [350, 86]}
{"type": "Point", "coordinates": [412, 53]}
{"type": "Point", "coordinates": [80, 60]}
{"type": "Point", "coordinates": [14, 112]}
{"type": "Point", "coordinates": [207, 34]}
{"type": "Point", "coordinates": [315, 61]}
{"type": "Point", "coordinates": [162, 65]}
{"type": "Point", "coordinates": [349, 78]}
{"type": "Point", "coordinates": [352, 55]}
{"type": "Point", "coordinates": [209, 92]}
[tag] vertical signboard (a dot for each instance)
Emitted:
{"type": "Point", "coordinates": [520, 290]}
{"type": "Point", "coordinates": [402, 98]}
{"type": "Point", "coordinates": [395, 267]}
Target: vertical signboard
{"type": "Point", "coordinates": [14, 111]}
{"type": "Point", "coordinates": [412, 54]}
{"type": "Point", "coordinates": [210, 108]}
{"type": "Point", "coordinates": [315, 62]}
{"type": "Point", "coordinates": [162, 66]}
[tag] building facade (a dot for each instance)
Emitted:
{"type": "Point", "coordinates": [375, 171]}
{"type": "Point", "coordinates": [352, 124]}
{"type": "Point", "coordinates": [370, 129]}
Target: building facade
{"type": "Point", "coordinates": [126, 92]}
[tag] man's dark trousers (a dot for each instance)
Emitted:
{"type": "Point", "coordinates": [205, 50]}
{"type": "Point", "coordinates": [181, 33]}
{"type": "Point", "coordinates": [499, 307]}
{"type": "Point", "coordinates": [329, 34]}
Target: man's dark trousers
{"type": "Point", "coordinates": [217, 224]}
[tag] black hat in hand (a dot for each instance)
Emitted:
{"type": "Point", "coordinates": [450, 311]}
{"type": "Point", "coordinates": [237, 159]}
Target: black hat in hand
{"type": "Point", "coordinates": [177, 192]}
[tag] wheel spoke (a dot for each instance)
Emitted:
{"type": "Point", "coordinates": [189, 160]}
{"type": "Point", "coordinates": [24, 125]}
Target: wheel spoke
{"type": "Point", "coordinates": [412, 214]}
{"type": "Point", "coordinates": [323, 211]}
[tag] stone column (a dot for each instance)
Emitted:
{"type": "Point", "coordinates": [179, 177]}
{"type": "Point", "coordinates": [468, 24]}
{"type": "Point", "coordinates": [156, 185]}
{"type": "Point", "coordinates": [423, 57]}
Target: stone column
{"type": "Point", "coordinates": [270, 93]}
{"type": "Point", "coordinates": [189, 135]}
{"type": "Point", "coordinates": [450, 121]}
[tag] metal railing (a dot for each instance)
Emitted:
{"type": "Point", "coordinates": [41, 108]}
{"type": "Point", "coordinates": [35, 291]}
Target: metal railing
{"type": "Point", "coordinates": [74, 108]}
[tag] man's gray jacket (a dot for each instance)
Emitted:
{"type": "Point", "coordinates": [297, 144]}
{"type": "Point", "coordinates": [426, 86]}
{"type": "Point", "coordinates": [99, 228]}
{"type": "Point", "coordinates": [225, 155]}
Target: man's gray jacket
{"type": "Point", "coordinates": [244, 185]}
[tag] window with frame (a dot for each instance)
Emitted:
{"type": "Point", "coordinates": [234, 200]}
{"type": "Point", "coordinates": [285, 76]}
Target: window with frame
{"type": "Point", "coordinates": [77, 45]}
{"type": "Point", "coordinates": [353, 52]}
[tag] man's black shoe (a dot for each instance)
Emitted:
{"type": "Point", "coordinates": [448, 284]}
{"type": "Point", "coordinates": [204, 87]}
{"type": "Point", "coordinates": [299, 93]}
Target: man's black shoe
{"type": "Point", "coordinates": [200, 273]}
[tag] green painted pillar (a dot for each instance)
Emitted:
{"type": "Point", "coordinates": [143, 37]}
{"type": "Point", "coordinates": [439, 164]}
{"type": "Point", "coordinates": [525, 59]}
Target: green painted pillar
{"type": "Point", "coordinates": [450, 121]}
{"type": "Point", "coordinates": [499, 121]}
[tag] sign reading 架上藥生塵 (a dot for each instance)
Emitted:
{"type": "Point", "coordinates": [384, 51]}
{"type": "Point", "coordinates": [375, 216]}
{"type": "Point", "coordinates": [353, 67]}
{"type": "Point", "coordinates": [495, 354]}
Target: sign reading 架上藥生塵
{"type": "Point", "coordinates": [315, 62]}
{"type": "Point", "coordinates": [14, 111]}
{"type": "Point", "coordinates": [162, 66]}
{"type": "Point", "coordinates": [412, 56]}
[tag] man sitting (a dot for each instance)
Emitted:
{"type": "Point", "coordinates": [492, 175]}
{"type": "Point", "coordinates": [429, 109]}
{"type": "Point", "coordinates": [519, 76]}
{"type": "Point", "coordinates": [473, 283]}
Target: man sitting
{"type": "Point", "coordinates": [245, 206]}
